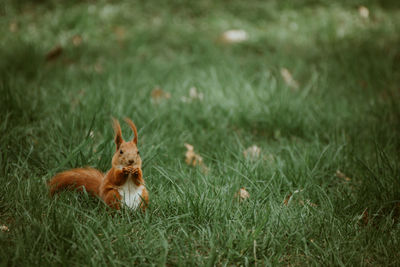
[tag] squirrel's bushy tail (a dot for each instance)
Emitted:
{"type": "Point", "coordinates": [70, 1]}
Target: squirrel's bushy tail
{"type": "Point", "coordinates": [77, 179]}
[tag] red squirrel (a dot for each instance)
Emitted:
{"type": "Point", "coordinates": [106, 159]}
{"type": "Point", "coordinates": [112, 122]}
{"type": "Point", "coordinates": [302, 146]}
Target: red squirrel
{"type": "Point", "coordinates": [123, 184]}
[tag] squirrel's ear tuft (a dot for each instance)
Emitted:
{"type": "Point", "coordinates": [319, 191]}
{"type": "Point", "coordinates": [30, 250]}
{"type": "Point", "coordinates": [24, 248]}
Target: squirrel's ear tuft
{"type": "Point", "coordinates": [132, 125]}
{"type": "Point", "coordinates": [118, 134]}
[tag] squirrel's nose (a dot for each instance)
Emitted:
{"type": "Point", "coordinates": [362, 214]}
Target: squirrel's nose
{"type": "Point", "coordinates": [131, 161]}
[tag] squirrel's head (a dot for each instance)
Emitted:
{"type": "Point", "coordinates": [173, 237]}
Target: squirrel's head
{"type": "Point", "coordinates": [127, 153]}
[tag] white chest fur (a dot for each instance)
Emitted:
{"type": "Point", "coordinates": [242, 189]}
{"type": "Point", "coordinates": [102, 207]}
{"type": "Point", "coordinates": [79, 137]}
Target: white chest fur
{"type": "Point", "coordinates": [131, 194]}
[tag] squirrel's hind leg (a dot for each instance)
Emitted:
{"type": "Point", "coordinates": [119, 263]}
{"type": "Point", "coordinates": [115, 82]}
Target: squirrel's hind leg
{"type": "Point", "coordinates": [113, 199]}
{"type": "Point", "coordinates": [145, 200]}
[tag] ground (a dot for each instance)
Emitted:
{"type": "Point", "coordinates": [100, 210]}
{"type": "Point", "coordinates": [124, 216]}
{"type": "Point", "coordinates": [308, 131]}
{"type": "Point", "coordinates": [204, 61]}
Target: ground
{"type": "Point", "coordinates": [315, 86]}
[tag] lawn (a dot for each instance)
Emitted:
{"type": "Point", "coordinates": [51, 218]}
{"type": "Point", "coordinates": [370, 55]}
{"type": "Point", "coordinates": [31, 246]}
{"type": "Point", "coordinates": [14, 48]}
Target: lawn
{"type": "Point", "coordinates": [314, 86]}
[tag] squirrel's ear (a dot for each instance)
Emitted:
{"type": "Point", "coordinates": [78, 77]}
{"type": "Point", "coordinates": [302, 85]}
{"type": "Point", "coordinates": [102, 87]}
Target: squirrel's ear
{"type": "Point", "coordinates": [118, 134]}
{"type": "Point", "coordinates": [132, 125]}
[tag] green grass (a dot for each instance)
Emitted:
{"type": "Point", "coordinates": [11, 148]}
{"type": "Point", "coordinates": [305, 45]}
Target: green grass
{"type": "Point", "coordinates": [55, 115]}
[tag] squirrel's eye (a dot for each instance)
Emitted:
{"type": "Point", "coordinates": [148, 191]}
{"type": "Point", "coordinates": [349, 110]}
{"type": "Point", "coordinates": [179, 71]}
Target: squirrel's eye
{"type": "Point", "coordinates": [121, 152]}
{"type": "Point", "coordinates": [138, 153]}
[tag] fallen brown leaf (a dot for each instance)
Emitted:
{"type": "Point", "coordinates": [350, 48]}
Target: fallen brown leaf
{"type": "Point", "coordinates": [98, 67]}
{"type": "Point", "coordinates": [54, 53]}
{"type": "Point", "coordinates": [193, 95]}
{"type": "Point", "coordinates": [363, 11]}
{"type": "Point", "coordinates": [120, 33]}
{"type": "Point", "coordinates": [242, 194]}
{"type": "Point", "coordinates": [365, 217]}
{"type": "Point", "coordinates": [234, 36]}
{"type": "Point", "coordinates": [4, 228]}
{"type": "Point", "coordinates": [158, 94]}
{"type": "Point", "coordinates": [288, 78]}
{"type": "Point", "coordinates": [193, 159]}
{"type": "Point", "coordinates": [341, 175]}
{"type": "Point", "coordinates": [363, 84]}
{"type": "Point", "coordinates": [312, 204]}
{"type": "Point", "coordinates": [13, 27]}
{"type": "Point", "coordinates": [286, 200]}
{"type": "Point", "coordinates": [77, 40]}
{"type": "Point", "coordinates": [252, 152]}
{"type": "Point", "coordinates": [308, 202]}
{"type": "Point", "coordinates": [289, 197]}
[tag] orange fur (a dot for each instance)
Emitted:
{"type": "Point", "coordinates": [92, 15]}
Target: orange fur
{"type": "Point", "coordinates": [145, 197]}
{"type": "Point", "coordinates": [133, 127]}
{"type": "Point", "coordinates": [89, 178]}
{"type": "Point", "coordinates": [126, 164]}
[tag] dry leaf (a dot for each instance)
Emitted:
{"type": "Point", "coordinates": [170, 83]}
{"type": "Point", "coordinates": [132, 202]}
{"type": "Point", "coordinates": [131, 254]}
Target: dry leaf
{"type": "Point", "coordinates": [13, 27]}
{"type": "Point", "coordinates": [363, 11]}
{"type": "Point", "coordinates": [365, 217]}
{"type": "Point", "coordinates": [242, 194]}
{"type": "Point", "coordinates": [363, 83]}
{"type": "Point", "coordinates": [288, 78]}
{"type": "Point", "coordinates": [252, 152]}
{"type": "Point", "coordinates": [119, 32]}
{"type": "Point", "coordinates": [288, 199]}
{"type": "Point", "coordinates": [341, 175]}
{"type": "Point", "coordinates": [308, 202]}
{"type": "Point", "coordinates": [234, 36]}
{"type": "Point", "coordinates": [193, 95]}
{"type": "Point", "coordinates": [191, 157]}
{"type": "Point", "coordinates": [77, 40]}
{"type": "Point", "coordinates": [158, 94]}
{"type": "Point", "coordinates": [54, 53]}
{"type": "Point", "coordinates": [312, 204]}
{"type": "Point", "coordinates": [194, 159]}
{"type": "Point", "coordinates": [4, 228]}
{"type": "Point", "coordinates": [98, 67]}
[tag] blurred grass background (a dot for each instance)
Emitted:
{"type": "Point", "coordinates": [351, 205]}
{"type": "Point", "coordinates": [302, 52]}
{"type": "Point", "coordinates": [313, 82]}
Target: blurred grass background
{"type": "Point", "coordinates": [66, 67]}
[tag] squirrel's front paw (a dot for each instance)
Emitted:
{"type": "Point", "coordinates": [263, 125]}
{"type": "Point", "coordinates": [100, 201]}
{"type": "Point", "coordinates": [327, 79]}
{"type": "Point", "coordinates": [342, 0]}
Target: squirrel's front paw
{"type": "Point", "coordinates": [127, 170]}
{"type": "Point", "coordinates": [135, 173]}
